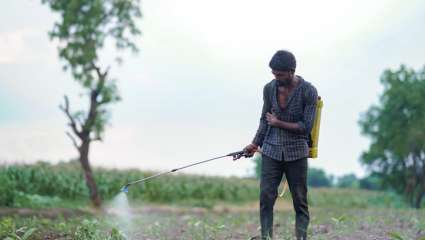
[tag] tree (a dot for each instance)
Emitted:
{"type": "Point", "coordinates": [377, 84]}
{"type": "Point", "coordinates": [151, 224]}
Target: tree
{"type": "Point", "coordinates": [397, 132]}
{"type": "Point", "coordinates": [348, 181]}
{"type": "Point", "coordinates": [317, 178]}
{"type": "Point", "coordinates": [82, 29]}
{"type": "Point", "coordinates": [371, 182]}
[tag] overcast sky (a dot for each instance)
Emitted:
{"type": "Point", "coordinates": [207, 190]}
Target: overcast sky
{"type": "Point", "coordinates": [194, 90]}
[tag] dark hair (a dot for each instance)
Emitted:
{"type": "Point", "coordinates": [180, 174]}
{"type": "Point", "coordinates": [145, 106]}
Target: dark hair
{"type": "Point", "coordinates": [283, 60]}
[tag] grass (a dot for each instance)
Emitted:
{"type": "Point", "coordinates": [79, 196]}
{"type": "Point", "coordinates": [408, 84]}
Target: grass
{"type": "Point", "coordinates": [44, 228]}
{"type": "Point", "coordinates": [354, 198]}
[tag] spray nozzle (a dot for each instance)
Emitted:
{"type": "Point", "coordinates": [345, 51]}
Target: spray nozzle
{"type": "Point", "coordinates": [125, 188]}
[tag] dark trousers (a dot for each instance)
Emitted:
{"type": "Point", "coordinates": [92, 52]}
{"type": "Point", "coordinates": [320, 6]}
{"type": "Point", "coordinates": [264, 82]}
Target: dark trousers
{"type": "Point", "coordinates": [271, 175]}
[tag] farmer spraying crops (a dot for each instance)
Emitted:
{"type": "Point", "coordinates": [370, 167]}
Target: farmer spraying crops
{"type": "Point", "coordinates": [286, 121]}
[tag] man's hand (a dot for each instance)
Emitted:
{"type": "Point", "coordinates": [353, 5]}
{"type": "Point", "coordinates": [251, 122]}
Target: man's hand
{"type": "Point", "coordinates": [272, 119]}
{"type": "Point", "coordinates": [250, 149]}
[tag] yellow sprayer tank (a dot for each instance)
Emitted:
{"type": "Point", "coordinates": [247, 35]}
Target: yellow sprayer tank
{"type": "Point", "coordinates": [315, 131]}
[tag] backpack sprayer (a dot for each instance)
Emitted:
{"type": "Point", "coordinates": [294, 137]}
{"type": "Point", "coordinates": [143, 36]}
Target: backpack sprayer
{"type": "Point", "coordinates": [313, 148]}
{"type": "Point", "coordinates": [314, 140]}
{"type": "Point", "coordinates": [235, 155]}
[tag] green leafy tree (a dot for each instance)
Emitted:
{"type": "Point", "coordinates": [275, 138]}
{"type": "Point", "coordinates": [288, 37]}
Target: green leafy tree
{"type": "Point", "coordinates": [371, 182]}
{"type": "Point", "coordinates": [396, 127]}
{"type": "Point", "coordinates": [347, 181]}
{"type": "Point", "coordinates": [317, 178]}
{"type": "Point", "coordinates": [81, 30]}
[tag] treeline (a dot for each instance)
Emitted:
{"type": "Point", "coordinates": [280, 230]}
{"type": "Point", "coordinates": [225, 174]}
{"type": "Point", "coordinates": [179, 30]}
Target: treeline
{"type": "Point", "coordinates": [318, 178]}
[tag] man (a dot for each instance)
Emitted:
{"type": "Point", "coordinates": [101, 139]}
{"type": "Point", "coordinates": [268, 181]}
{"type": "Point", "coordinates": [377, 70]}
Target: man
{"type": "Point", "coordinates": [286, 121]}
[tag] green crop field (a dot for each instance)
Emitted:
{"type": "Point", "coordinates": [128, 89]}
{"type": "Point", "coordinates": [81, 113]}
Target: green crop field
{"type": "Point", "coordinates": [44, 201]}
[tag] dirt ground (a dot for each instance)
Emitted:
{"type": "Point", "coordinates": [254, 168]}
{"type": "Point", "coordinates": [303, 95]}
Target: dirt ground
{"type": "Point", "coordinates": [242, 222]}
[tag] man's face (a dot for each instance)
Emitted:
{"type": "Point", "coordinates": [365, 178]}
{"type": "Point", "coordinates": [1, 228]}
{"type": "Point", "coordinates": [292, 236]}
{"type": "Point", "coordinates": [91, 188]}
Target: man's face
{"type": "Point", "coordinates": [283, 78]}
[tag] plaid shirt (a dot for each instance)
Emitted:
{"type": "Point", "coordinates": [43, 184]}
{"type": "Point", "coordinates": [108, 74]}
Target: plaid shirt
{"type": "Point", "coordinates": [283, 144]}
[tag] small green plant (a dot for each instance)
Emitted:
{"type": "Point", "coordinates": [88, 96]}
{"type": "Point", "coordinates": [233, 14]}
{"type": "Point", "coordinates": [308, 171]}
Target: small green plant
{"type": "Point", "coordinates": [339, 219]}
{"type": "Point", "coordinates": [116, 235]}
{"type": "Point", "coordinates": [22, 233]}
{"type": "Point", "coordinates": [8, 230]}
{"type": "Point", "coordinates": [6, 227]}
{"type": "Point", "coordinates": [395, 236]}
{"type": "Point", "coordinates": [87, 230]}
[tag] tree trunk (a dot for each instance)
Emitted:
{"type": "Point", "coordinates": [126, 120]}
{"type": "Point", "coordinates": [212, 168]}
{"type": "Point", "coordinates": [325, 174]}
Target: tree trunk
{"type": "Point", "coordinates": [91, 184]}
{"type": "Point", "coordinates": [419, 199]}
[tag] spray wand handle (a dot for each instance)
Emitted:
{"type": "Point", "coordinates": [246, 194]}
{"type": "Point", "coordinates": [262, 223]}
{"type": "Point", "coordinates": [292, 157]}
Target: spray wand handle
{"type": "Point", "coordinates": [239, 154]}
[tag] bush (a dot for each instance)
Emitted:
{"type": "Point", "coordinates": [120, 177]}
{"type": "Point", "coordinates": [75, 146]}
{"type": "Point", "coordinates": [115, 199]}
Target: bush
{"type": "Point", "coordinates": [348, 181]}
{"type": "Point", "coordinates": [318, 178]}
{"type": "Point", "coordinates": [34, 200]}
{"type": "Point", "coordinates": [7, 188]}
{"type": "Point", "coordinates": [371, 182]}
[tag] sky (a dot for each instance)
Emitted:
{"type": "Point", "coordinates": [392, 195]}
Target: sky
{"type": "Point", "coordinates": [194, 91]}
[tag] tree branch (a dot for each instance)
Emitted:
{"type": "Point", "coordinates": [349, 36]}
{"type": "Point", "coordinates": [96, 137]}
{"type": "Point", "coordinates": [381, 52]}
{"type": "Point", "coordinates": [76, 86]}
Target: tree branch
{"type": "Point", "coordinates": [80, 122]}
{"type": "Point", "coordinates": [72, 122]}
{"type": "Point", "coordinates": [101, 75]}
{"type": "Point", "coordinates": [100, 83]}
{"type": "Point", "coordinates": [73, 140]}
{"type": "Point", "coordinates": [94, 103]}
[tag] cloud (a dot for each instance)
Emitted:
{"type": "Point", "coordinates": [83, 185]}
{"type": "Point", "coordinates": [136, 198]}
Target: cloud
{"type": "Point", "coordinates": [26, 45]}
{"type": "Point", "coordinates": [11, 46]}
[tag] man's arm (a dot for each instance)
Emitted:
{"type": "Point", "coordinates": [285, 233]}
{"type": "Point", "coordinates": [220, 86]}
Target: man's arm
{"type": "Point", "coordinates": [275, 122]}
{"type": "Point", "coordinates": [262, 128]}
